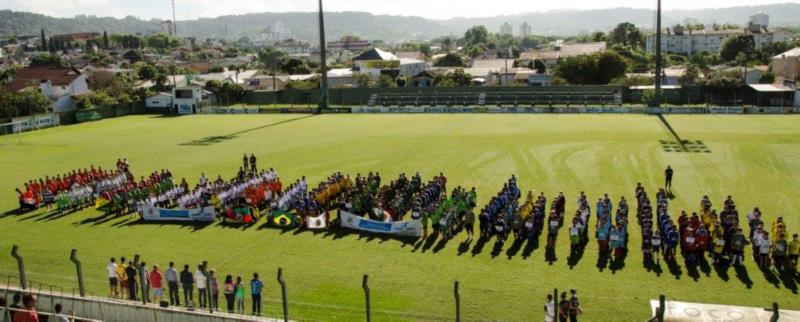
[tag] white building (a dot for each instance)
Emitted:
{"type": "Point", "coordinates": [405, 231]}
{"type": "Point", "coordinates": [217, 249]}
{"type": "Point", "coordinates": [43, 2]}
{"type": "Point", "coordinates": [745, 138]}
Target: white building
{"type": "Point", "coordinates": [376, 62]}
{"type": "Point", "coordinates": [679, 40]}
{"type": "Point", "coordinates": [61, 84]}
{"type": "Point", "coordinates": [160, 100]}
{"type": "Point", "coordinates": [506, 29]}
{"type": "Point", "coordinates": [187, 99]}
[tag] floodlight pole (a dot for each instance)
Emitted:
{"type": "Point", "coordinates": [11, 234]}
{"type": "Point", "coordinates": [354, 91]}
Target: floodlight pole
{"type": "Point", "coordinates": [657, 97]}
{"type": "Point", "coordinates": [323, 82]}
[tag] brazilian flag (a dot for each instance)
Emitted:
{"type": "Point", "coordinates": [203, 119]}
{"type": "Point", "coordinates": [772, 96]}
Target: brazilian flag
{"type": "Point", "coordinates": [284, 219]}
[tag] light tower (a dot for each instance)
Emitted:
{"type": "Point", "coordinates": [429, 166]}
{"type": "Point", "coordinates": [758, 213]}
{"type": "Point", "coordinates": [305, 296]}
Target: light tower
{"type": "Point", "coordinates": [174, 22]}
{"type": "Point", "coordinates": [657, 97]}
{"type": "Point", "coordinates": [323, 81]}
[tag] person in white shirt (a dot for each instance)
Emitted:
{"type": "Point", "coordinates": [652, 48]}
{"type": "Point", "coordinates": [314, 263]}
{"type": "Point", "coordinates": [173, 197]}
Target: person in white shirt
{"type": "Point", "coordinates": [113, 282]}
{"type": "Point", "coordinates": [549, 309]}
{"type": "Point", "coordinates": [200, 281]}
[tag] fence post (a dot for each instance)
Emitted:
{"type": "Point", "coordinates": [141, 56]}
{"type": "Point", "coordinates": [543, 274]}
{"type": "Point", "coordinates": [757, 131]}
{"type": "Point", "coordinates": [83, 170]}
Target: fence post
{"type": "Point", "coordinates": [140, 270]}
{"type": "Point", "coordinates": [74, 258]}
{"type": "Point", "coordinates": [283, 295]}
{"type": "Point", "coordinates": [457, 294]}
{"type": "Point", "coordinates": [365, 285]}
{"type": "Point", "coordinates": [662, 300]}
{"type": "Point", "coordinates": [21, 265]}
{"type": "Point", "coordinates": [775, 313]}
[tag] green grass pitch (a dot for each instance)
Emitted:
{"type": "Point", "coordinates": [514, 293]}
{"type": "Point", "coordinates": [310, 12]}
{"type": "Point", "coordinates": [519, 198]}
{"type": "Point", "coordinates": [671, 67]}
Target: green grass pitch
{"type": "Point", "coordinates": [753, 158]}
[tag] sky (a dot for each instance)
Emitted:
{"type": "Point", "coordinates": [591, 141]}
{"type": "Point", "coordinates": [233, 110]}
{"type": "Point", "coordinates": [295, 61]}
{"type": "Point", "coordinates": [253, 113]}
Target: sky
{"type": "Point", "coordinates": [436, 9]}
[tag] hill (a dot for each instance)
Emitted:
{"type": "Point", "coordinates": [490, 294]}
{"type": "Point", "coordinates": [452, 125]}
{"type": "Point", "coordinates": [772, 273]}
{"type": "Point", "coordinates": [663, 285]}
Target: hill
{"type": "Point", "coordinates": [303, 25]}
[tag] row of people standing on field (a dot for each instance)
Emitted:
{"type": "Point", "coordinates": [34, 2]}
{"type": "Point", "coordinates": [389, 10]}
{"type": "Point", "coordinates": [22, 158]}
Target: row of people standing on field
{"type": "Point", "coordinates": [130, 281]}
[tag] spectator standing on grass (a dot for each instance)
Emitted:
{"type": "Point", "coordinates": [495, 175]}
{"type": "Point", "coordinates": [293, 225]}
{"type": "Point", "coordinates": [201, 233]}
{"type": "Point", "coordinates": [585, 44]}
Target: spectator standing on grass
{"type": "Point", "coordinates": [172, 282]}
{"type": "Point", "coordinates": [239, 295]}
{"type": "Point", "coordinates": [229, 291]}
{"type": "Point", "coordinates": [201, 282]}
{"type": "Point", "coordinates": [253, 168]}
{"type": "Point", "coordinates": [255, 291]}
{"type": "Point", "coordinates": [156, 283]}
{"type": "Point", "coordinates": [113, 280]}
{"type": "Point", "coordinates": [28, 312]}
{"type": "Point", "coordinates": [574, 306]}
{"type": "Point", "coordinates": [549, 309]}
{"type": "Point", "coordinates": [130, 276]}
{"type": "Point", "coordinates": [214, 288]}
{"type": "Point", "coordinates": [187, 281]}
{"type": "Point", "coordinates": [58, 316]}
{"type": "Point", "coordinates": [668, 176]}
{"type": "Point", "coordinates": [244, 163]}
{"type": "Point", "coordinates": [794, 252]}
{"type": "Point", "coordinates": [145, 283]}
{"type": "Point", "coordinates": [738, 243]}
{"type": "Point", "coordinates": [563, 308]}
{"type": "Point", "coordinates": [123, 278]}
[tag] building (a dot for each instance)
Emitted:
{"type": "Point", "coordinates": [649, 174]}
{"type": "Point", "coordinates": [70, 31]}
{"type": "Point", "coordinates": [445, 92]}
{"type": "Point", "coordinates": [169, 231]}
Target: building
{"type": "Point", "coordinates": [561, 51]}
{"type": "Point", "coordinates": [294, 47]}
{"type": "Point", "coordinates": [167, 27]}
{"type": "Point", "coordinates": [76, 36]}
{"type": "Point", "coordinates": [680, 40]}
{"type": "Point", "coordinates": [350, 43]}
{"type": "Point", "coordinates": [186, 99]}
{"type": "Point", "coordinates": [376, 62]}
{"type": "Point", "coordinates": [786, 67]}
{"type": "Point", "coordinates": [61, 84]}
{"type": "Point", "coordinates": [424, 79]}
{"type": "Point", "coordinates": [506, 29]}
{"type": "Point", "coordinates": [160, 100]}
{"type": "Point", "coordinates": [341, 78]}
{"type": "Point", "coordinates": [525, 30]}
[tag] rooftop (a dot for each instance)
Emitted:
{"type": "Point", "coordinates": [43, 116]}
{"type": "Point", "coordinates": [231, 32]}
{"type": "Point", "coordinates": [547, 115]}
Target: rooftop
{"type": "Point", "coordinates": [33, 76]}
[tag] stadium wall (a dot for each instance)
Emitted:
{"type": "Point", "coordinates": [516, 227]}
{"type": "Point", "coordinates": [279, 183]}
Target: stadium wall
{"type": "Point", "coordinates": [111, 111]}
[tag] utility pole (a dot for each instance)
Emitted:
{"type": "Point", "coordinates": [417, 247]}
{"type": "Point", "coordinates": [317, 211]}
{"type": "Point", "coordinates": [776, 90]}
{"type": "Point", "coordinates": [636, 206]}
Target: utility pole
{"type": "Point", "coordinates": [323, 83]}
{"type": "Point", "coordinates": [657, 98]}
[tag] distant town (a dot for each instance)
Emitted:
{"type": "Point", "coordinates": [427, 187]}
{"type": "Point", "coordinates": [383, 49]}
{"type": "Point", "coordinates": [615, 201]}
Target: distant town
{"type": "Point", "coordinates": [68, 72]}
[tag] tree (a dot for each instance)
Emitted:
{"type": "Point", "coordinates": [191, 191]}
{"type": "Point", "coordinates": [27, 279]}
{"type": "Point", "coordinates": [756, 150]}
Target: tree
{"type": "Point", "coordinates": [539, 66]}
{"type": "Point", "coordinates": [216, 69]}
{"type": "Point", "coordinates": [592, 69]}
{"type": "Point", "coordinates": [401, 81]}
{"type": "Point", "coordinates": [386, 81]}
{"type": "Point", "coordinates": [96, 99]}
{"type": "Point", "coordinates": [745, 44]}
{"type": "Point", "coordinates": [723, 83]}
{"type": "Point", "coordinates": [598, 36]}
{"type": "Point", "coordinates": [47, 59]}
{"type": "Point", "coordinates": [450, 60]}
{"type": "Point", "coordinates": [31, 102]}
{"type": "Point", "coordinates": [689, 77]}
{"type": "Point", "coordinates": [363, 81]}
{"type": "Point", "coordinates": [626, 33]}
{"type": "Point", "coordinates": [146, 71]}
{"type": "Point", "coordinates": [106, 43]}
{"type": "Point", "coordinates": [447, 44]}
{"type": "Point", "coordinates": [271, 58]}
{"type": "Point", "coordinates": [476, 35]}
{"type": "Point", "coordinates": [425, 49]}
{"type": "Point", "coordinates": [767, 78]}
{"type": "Point", "coordinates": [632, 81]}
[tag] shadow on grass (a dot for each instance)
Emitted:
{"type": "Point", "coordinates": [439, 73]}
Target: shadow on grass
{"type": "Point", "coordinates": [743, 276]}
{"type": "Point", "coordinates": [15, 212]}
{"type": "Point", "coordinates": [550, 255]}
{"type": "Point", "coordinates": [618, 263]}
{"type": "Point", "coordinates": [463, 247]}
{"type": "Point", "coordinates": [515, 247]}
{"type": "Point", "coordinates": [99, 220]}
{"type": "Point", "coordinates": [722, 271]}
{"type": "Point", "coordinates": [478, 248]}
{"type": "Point", "coordinates": [532, 245]}
{"type": "Point", "coordinates": [130, 222]}
{"type": "Point", "coordinates": [576, 255]}
{"type": "Point", "coordinates": [674, 268]}
{"type": "Point", "coordinates": [214, 139]}
{"type": "Point", "coordinates": [653, 264]}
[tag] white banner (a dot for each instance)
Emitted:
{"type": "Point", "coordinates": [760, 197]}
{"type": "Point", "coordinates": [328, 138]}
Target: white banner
{"type": "Point", "coordinates": [194, 214]}
{"type": "Point", "coordinates": [319, 222]}
{"type": "Point", "coordinates": [411, 228]}
{"type": "Point", "coordinates": [682, 311]}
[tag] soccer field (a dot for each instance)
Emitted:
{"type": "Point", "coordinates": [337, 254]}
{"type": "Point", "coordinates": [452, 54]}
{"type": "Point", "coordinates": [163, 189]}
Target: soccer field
{"type": "Point", "coordinates": [754, 158]}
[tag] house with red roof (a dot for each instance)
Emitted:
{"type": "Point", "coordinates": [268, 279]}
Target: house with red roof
{"type": "Point", "coordinates": [63, 85]}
